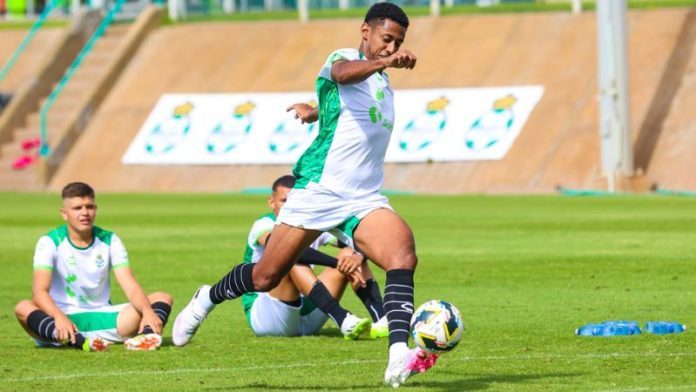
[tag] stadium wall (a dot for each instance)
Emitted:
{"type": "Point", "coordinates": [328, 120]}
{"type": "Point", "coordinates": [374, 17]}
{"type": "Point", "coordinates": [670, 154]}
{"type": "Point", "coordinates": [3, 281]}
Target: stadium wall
{"type": "Point", "coordinates": [558, 145]}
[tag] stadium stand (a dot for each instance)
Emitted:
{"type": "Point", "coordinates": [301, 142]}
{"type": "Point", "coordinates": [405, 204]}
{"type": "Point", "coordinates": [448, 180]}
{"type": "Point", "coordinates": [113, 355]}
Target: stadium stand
{"type": "Point", "coordinates": [75, 106]}
{"type": "Point", "coordinates": [558, 146]}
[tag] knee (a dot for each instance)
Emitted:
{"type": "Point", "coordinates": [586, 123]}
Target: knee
{"type": "Point", "coordinates": [23, 308]}
{"type": "Point", "coordinates": [407, 261]}
{"type": "Point", "coordinates": [161, 296]}
{"type": "Point", "coordinates": [265, 281]}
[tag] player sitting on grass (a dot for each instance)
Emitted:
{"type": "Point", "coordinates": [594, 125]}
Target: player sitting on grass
{"type": "Point", "coordinates": [71, 293]}
{"type": "Point", "coordinates": [289, 309]}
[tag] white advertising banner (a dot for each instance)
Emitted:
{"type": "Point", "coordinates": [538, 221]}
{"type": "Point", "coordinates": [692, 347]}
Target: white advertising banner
{"type": "Point", "coordinates": [254, 128]}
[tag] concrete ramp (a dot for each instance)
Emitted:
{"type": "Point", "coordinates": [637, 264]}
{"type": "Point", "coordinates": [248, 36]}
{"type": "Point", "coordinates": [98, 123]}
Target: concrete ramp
{"type": "Point", "coordinates": [666, 145]}
{"type": "Point", "coordinates": [28, 63]}
{"type": "Point", "coordinates": [74, 107]}
{"type": "Point", "coordinates": [558, 146]}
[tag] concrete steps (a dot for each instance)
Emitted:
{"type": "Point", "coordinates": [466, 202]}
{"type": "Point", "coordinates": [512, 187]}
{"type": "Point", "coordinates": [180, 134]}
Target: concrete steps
{"type": "Point", "coordinates": [64, 109]}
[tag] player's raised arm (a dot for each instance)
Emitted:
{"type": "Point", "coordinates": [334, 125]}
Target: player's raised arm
{"type": "Point", "coordinates": [348, 72]}
{"type": "Point", "coordinates": [380, 47]}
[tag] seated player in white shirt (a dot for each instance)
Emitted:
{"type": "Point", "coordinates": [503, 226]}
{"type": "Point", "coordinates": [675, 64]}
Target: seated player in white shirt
{"type": "Point", "coordinates": [71, 292]}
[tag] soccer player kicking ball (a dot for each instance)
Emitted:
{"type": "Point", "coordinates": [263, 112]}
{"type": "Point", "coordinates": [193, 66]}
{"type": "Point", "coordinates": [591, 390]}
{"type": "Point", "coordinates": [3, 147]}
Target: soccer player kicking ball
{"type": "Point", "coordinates": [338, 188]}
{"type": "Point", "coordinates": [302, 302]}
{"type": "Point", "coordinates": [70, 304]}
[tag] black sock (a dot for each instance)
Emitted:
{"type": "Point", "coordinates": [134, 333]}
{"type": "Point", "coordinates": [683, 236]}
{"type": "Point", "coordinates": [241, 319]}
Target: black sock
{"type": "Point", "coordinates": [79, 341]}
{"type": "Point", "coordinates": [398, 303]}
{"type": "Point", "coordinates": [234, 284]}
{"type": "Point", "coordinates": [162, 310]}
{"type": "Point", "coordinates": [328, 304]}
{"type": "Point", "coordinates": [372, 299]}
{"type": "Point", "coordinates": [44, 326]}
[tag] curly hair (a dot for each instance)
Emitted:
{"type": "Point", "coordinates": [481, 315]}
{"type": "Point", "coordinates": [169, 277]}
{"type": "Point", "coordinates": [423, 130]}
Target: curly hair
{"type": "Point", "coordinates": [383, 11]}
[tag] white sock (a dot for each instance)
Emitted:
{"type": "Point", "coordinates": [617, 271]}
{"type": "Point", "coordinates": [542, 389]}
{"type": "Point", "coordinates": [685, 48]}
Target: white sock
{"type": "Point", "coordinates": [397, 349]}
{"type": "Point", "coordinates": [203, 299]}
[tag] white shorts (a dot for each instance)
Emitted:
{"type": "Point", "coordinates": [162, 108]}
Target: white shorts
{"type": "Point", "coordinates": [317, 208]}
{"type": "Point", "coordinates": [270, 316]}
{"type": "Point", "coordinates": [93, 323]}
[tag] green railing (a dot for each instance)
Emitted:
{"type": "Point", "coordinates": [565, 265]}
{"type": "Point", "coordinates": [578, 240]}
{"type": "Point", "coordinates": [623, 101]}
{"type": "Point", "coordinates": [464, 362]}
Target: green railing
{"type": "Point", "coordinates": [45, 148]}
{"type": "Point", "coordinates": [50, 5]}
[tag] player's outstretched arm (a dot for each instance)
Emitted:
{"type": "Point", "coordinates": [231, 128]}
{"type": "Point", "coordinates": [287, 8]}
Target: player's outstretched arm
{"type": "Point", "coordinates": [40, 296]}
{"type": "Point", "coordinates": [355, 71]}
{"type": "Point", "coordinates": [137, 298]}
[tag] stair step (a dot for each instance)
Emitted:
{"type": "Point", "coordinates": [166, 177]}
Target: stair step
{"type": "Point", "coordinates": [26, 179]}
{"type": "Point", "coordinates": [13, 151]}
{"type": "Point", "coordinates": [108, 41]}
{"type": "Point", "coordinates": [54, 118]}
{"type": "Point", "coordinates": [23, 134]}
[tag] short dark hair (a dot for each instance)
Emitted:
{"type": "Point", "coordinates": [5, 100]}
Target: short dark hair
{"type": "Point", "coordinates": [77, 189]}
{"type": "Point", "coordinates": [382, 11]}
{"type": "Point", "coordinates": [287, 181]}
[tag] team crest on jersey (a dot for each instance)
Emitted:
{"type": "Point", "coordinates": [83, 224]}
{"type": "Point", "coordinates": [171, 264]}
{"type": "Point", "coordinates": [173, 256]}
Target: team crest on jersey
{"type": "Point", "coordinates": [290, 134]}
{"type": "Point", "coordinates": [491, 126]}
{"type": "Point", "coordinates": [70, 261]}
{"type": "Point", "coordinates": [167, 134]}
{"type": "Point", "coordinates": [232, 130]}
{"type": "Point", "coordinates": [425, 128]}
{"type": "Point", "coordinates": [99, 261]}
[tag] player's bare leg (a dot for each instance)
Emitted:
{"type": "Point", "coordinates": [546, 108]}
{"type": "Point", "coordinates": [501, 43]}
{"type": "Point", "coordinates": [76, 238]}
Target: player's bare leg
{"type": "Point", "coordinates": [285, 291]}
{"type": "Point", "coordinates": [390, 249]}
{"type": "Point", "coordinates": [394, 250]}
{"type": "Point", "coordinates": [145, 338]}
{"type": "Point", "coordinates": [284, 247]}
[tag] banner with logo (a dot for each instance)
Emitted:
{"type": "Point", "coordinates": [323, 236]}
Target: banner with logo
{"type": "Point", "coordinates": [254, 128]}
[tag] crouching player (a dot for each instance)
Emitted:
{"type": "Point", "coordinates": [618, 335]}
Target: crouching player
{"type": "Point", "coordinates": [70, 305]}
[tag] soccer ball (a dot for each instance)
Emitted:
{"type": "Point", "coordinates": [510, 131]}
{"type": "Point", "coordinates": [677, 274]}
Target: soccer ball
{"type": "Point", "coordinates": [436, 326]}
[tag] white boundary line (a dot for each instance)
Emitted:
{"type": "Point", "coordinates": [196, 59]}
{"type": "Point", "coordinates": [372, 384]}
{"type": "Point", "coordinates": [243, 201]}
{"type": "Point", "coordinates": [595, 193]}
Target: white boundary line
{"type": "Point", "coordinates": [127, 373]}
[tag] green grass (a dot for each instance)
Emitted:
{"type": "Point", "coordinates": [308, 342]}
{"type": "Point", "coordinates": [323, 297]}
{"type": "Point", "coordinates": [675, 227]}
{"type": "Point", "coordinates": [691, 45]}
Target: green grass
{"type": "Point", "coordinates": [26, 24]}
{"type": "Point", "coordinates": [459, 9]}
{"type": "Point", "coordinates": [524, 271]}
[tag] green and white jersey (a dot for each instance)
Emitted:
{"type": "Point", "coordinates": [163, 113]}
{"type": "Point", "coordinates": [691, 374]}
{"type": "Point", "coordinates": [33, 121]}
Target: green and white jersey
{"type": "Point", "coordinates": [355, 125]}
{"type": "Point", "coordinates": [254, 250]}
{"type": "Point", "coordinates": [80, 275]}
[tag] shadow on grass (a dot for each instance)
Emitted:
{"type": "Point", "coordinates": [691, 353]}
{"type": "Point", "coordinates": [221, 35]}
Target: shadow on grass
{"type": "Point", "coordinates": [484, 382]}
{"type": "Point", "coordinates": [464, 383]}
{"type": "Point", "coordinates": [167, 341]}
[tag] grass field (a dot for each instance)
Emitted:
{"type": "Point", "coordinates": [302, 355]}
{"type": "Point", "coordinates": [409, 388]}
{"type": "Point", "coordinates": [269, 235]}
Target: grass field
{"type": "Point", "coordinates": [525, 272]}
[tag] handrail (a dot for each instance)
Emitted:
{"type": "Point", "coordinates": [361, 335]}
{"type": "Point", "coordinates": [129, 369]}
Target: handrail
{"type": "Point", "coordinates": [44, 150]}
{"type": "Point", "coordinates": [27, 39]}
